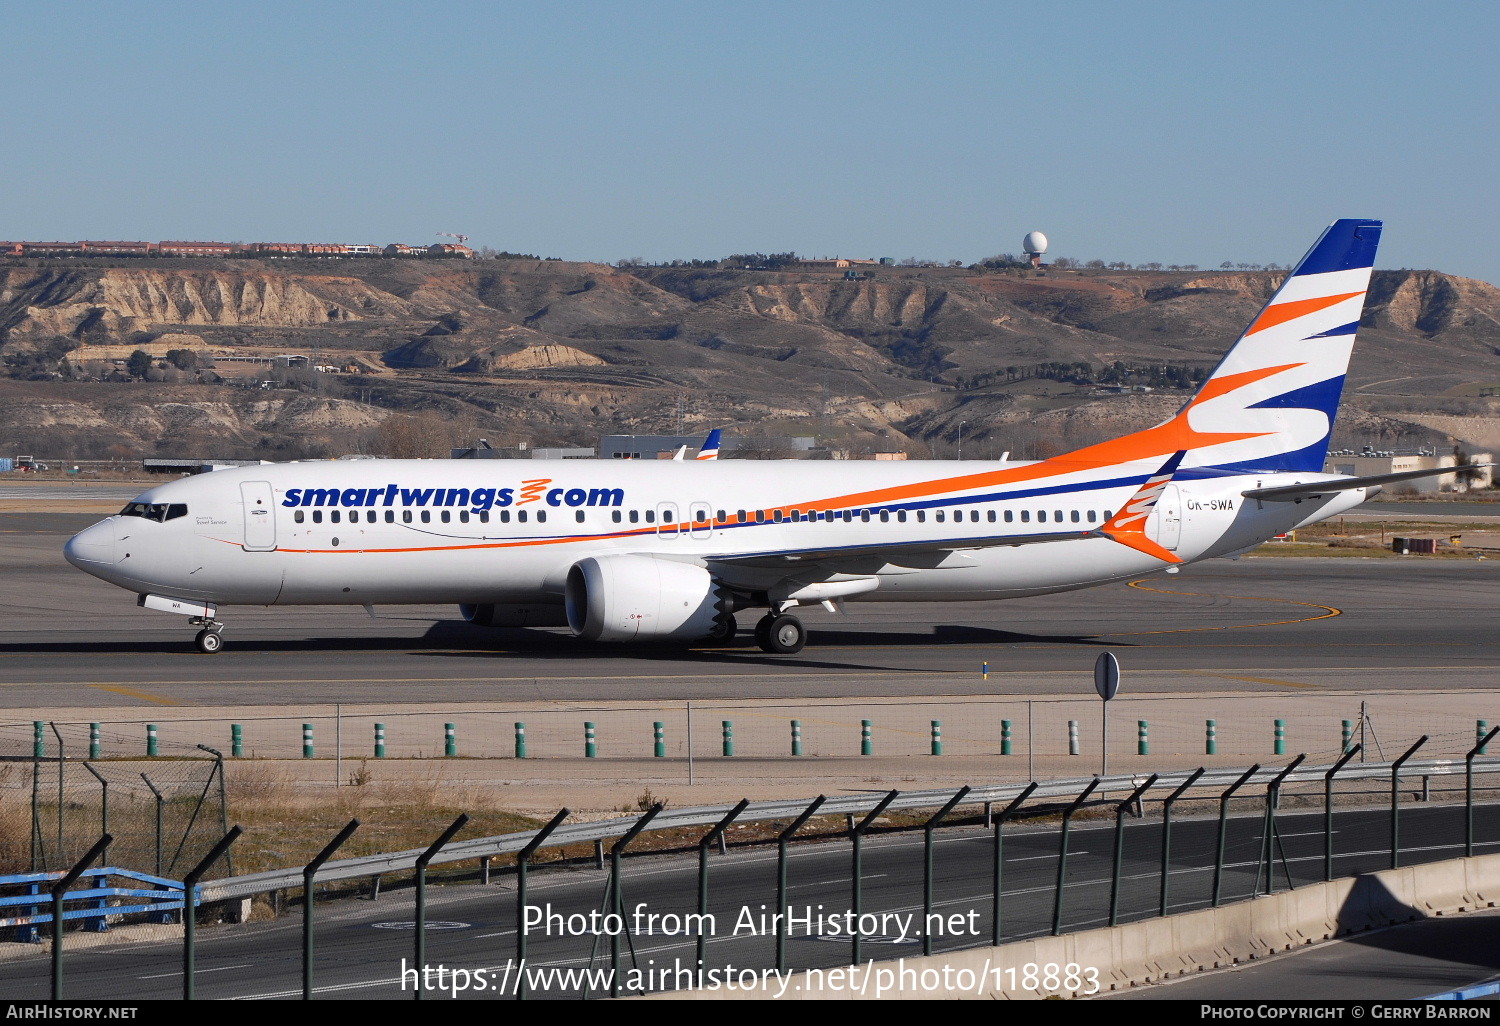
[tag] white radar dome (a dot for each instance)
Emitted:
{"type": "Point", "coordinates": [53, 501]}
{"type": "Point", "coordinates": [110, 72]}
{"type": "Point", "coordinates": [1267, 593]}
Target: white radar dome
{"type": "Point", "coordinates": [1035, 242]}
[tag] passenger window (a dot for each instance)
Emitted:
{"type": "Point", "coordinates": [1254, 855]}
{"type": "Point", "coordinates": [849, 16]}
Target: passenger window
{"type": "Point", "coordinates": [390, 516]}
{"type": "Point", "coordinates": [650, 516]}
{"type": "Point", "coordinates": [992, 516]}
{"type": "Point", "coordinates": [484, 516]}
{"type": "Point", "coordinates": [973, 516]}
{"type": "Point", "coordinates": [1107, 515]}
{"type": "Point", "coordinates": [446, 516]}
{"type": "Point", "coordinates": [721, 517]}
{"type": "Point", "coordinates": [505, 516]}
{"type": "Point", "coordinates": [864, 516]}
{"type": "Point", "coordinates": [1025, 516]}
{"type": "Point", "coordinates": [405, 516]}
{"type": "Point", "coordinates": [794, 516]}
{"type": "Point", "coordinates": [760, 516]}
{"type": "Point", "coordinates": [297, 516]}
{"type": "Point", "coordinates": [940, 516]}
{"type": "Point", "coordinates": [740, 515]}
{"type": "Point", "coordinates": [541, 516]}
{"type": "Point", "coordinates": [921, 516]}
{"type": "Point", "coordinates": [317, 516]}
{"type": "Point", "coordinates": [848, 516]}
{"type": "Point", "coordinates": [426, 516]}
{"type": "Point", "coordinates": [701, 517]}
{"type": "Point", "coordinates": [635, 516]}
{"type": "Point", "coordinates": [1057, 516]}
{"type": "Point", "coordinates": [1009, 516]}
{"type": "Point", "coordinates": [885, 516]}
{"type": "Point", "coordinates": [1075, 516]}
{"type": "Point", "coordinates": [463, 516]}
{"type": "Point", "coordinates": [901, 515]}
{"type": "Point", "coordinates": [520, 516]}
{"type": "Point", "coordinates": [578, 515]}
{"type": "Point", "coordinates": [615, 516]}
{"type": "Point", "coordinates": [666, 516]}
{"type": "Point", "coordinates": [334, 517]}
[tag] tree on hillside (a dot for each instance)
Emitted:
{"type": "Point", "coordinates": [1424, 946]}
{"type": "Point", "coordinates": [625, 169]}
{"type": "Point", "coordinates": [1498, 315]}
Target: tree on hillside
{"type": "Point", "coordinates": [424, 435]}
{"type": "Point", "coordinates": [139, 363]}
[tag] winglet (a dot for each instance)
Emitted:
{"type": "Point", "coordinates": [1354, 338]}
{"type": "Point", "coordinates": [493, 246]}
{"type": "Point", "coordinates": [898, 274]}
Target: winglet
{"type": "Point", "coordinates": [1128, 526]}
{"type": "Point", "coordinates": [710, 448]}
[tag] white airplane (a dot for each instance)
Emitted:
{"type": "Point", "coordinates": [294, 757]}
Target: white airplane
{"type": "Point", "coordinates": [658, 551]}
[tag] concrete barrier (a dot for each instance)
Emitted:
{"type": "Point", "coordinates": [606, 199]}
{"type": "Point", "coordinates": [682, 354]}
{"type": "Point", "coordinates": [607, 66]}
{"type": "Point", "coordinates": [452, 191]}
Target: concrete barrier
{"type": "Point", "coordinates": [1156, 949]}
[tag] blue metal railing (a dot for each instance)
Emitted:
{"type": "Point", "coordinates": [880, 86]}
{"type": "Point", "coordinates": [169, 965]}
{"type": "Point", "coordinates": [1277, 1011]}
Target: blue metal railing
{"type": "Point", "coordinates": [161, 897]}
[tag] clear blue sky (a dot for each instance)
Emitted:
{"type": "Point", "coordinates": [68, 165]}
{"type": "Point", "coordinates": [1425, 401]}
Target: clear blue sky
{"type": "Point", "coordinates": [1177, 132]}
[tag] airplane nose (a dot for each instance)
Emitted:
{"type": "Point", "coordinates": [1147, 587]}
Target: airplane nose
{"type": "Point", "coordinates": [93, 545]}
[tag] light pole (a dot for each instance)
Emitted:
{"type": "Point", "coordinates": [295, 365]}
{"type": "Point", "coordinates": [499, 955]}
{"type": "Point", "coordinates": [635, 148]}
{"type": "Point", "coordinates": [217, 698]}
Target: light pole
{"type": "Point", "coordinates": [961, 438]}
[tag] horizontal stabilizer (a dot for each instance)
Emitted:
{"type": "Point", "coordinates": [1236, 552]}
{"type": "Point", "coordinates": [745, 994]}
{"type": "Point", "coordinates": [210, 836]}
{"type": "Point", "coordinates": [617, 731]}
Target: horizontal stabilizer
{"type": "Point", "coordinates": [1291, 493]}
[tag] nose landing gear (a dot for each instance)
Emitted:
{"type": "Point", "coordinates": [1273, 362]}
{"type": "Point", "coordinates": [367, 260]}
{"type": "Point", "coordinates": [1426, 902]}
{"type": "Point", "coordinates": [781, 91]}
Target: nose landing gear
{"type": "Point", "coordinates": [208, 639]}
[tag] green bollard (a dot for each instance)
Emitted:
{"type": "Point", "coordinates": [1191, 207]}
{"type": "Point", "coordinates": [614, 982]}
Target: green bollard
{"type": "Point", "coordinates": [380, 740]}
{"type": "Point", "coordinates": [937, 737]}
{"type": "Point", "coordinates": [866, 743]}
{"type": "Point", "coordinates": [1481, 728]}
{"type": "Point", "coordinates": [1142, 737]}
{"type": "Point", "coordinates": [1280, 748]}
{"type": "Point", "coordinates": [94, 740]}
{"type": "Point", "coordinates": [590, 747]}
{"type": "Point", "coordinates": [1348, 736]}
{"type": "Point", "coordinates": [38, 739]}
{"type": "Point", "coordinates": [450, 741]}
{"type": "Point", "coordinates": [728, 728]}
{"type": "Point", "coordinates": [236, 740]}
{"type": "Point", "coordinates": [1005, 747]}
{"type": "Point", "coordinates": [150, 739]}
{"type": "Point", "coordinates": [659, 739]}
{"type": "Point", "coordinates": [796, 737]}
{"type": "Point", "coordinates": [520, 740]}
{"type": "Point", "coordinates": [1211, 737]}
{"type": "Point", "coordinates": [307, 741]}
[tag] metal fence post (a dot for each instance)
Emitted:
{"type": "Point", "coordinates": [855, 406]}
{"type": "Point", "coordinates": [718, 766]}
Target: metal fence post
{"type": "Point", "coordinates": [1270, 839]}
{"type": "Point", "coordinates": [703, 846]}
{"type": "Point", "coordinates": [1062, 856]}
{"type": "Point", "coordinates": [38, 739]}
{"type": "Point", "coordinates": [419, 953]}
{"type": "Point", "coordinates": [999, 862]}
{"type": "Point", "coordinates": [103, 803]}
{"type": "Point", "coordinates": [159, 800]}
{"type": "Point", "coordinates": [927, 831]}
{"type": "Point", "coordinates": [1223, 817]}
{"type": "Point", "coordinates": [782, 840]}
{"type": "Point", "coordinates": [59, 894]}
{"type": "Point", "coordinates": [190, 907]}
{"type": "Point", "coordinates": [617, 898]}
{"type": "Point", "coordinates": [1349, 753]}
{"type": "Point", "coordinates": [1166, 833]}
{"type": "Point", "coordinates": [1114, 879]}
{"type": "Point", "coordinates": [1478, 749]}
{"type": "Point", "coordinates": [308, 872]}
{"type": "Point", "coordinates": [523, 859]}
{"type": "Point", "coordinates": [856, 836]}
{"type": "Point", "coordinates": [1396, 801]}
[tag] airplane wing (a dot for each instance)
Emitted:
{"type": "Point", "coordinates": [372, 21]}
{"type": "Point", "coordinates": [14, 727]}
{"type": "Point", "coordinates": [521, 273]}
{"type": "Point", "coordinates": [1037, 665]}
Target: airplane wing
{"type": "Point", "coordinates": [1126, 527]}
{"type": "Point", "coordinates": [1316, 489]}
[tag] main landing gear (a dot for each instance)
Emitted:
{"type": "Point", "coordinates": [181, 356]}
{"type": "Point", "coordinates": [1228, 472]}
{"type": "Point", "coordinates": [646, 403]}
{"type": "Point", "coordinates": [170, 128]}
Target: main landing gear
{"type": "Point", "coordinates": [209, 639]}
{"type": "Point", "coordinates": [780, 633]}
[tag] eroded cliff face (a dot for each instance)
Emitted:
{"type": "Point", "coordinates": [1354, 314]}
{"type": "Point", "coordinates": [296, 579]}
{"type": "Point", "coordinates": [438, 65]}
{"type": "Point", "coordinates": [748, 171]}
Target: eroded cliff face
{"type": "Point", "coordinates": [118, 301]}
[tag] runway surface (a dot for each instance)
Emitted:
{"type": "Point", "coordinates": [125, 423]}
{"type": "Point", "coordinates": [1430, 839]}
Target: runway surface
{"type": "Point", "coordinates": [1257, 624]}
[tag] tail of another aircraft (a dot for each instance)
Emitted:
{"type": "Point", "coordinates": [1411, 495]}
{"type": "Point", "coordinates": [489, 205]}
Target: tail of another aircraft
{"type": "Point", "coordinates": [1270, 404]}
{"type": "Point", "coordinates": [710, 448]}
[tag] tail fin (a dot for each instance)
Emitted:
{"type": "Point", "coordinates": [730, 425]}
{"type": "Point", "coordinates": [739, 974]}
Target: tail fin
{"type": "Point", "coordinates": [710, 448]}
{"type": "Point", "coordinates": [1270, 403]}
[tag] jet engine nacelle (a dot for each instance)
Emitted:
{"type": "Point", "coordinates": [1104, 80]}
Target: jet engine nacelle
{"type": "Point", "coordinates": [641, 598]}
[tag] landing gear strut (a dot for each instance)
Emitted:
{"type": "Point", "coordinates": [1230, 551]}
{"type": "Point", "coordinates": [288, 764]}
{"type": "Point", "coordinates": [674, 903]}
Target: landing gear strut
{"type": "Point", "coordinates": [780, 633]}
{"type": "Point", "coordinates": [209, 639]}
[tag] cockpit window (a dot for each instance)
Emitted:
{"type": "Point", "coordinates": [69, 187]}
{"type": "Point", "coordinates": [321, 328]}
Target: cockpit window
{"type": "Point", "coordinates": [161, 512]}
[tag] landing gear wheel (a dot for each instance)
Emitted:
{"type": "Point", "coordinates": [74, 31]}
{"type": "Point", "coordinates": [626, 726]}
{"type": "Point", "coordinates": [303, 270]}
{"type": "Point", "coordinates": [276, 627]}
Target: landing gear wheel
{"type": "Point", "coordinates": [724, 630]}
{"type": "Point", "coordinates": [784, 635]}
{"type": "Point", "coordinates": [763, 631]}
{"type": "Point", "coordinates": [209, 641]}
